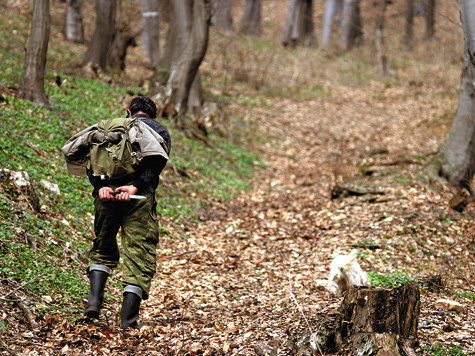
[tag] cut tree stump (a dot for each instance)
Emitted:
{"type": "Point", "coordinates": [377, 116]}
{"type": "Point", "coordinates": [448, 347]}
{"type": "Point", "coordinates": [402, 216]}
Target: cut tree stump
{"type": "Point", "coordinates": [370, 322]}
{"type": "Point", "coordinates": [374, 320]}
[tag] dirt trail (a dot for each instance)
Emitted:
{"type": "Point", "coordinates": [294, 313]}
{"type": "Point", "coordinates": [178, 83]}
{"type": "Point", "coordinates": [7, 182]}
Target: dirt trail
{"type": "Point", "coordinates": [256, 254]}
{"type": "Point", "coordinates": [247, 273]}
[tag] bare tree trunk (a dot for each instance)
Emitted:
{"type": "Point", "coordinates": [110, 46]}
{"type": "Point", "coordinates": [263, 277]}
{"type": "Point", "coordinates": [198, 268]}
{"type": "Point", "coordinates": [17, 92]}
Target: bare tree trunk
{"type": "Point", "coordinates": [97, 53]}
{"type": "Point", "coordinates": [221, 15]}
{"type": "Point", "coordinates": [151, 31]}
{"type": "Point", "coordinates": [32, 81]}
{"type": "Point", "coordinates": [251, 18]}
{"type": "Point", "coordinates": [162, 72]}
{"type": "Point", "coordinates": [409, 25]}
{"type": "Point", "coordinates": [430, 19]}
{"type": "Point", "coordinates": [123, 37]}
{"type": "Point", "coordinates": [332, 8]}
{"type": "Point", "coordinates": [185, 69]}
{"type": "Point", "coordinates": [73, 24]}
{"type": "Point", "coordinates": [421, 8]}
{"type": "Point", "coordinates": [455, 162]}
{"type": "Point", "coordinates": [298, 28]}
{"type": "Point", "coordinates": [351, 27]}
{"type": "Point", "coordinates": [379, 38]}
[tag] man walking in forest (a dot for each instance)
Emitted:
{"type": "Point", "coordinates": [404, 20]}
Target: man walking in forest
{"type": "Point", "coordinates": [117, 206]}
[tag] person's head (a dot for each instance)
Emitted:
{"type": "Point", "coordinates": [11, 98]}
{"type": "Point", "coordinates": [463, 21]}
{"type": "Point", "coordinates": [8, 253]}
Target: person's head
{"type": "Point", "coordinates": [144, 104]}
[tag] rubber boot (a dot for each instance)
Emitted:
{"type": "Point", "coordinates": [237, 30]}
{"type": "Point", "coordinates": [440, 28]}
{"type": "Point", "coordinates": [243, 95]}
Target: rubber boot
{"type": "Point", "coordinates": [130, 307]}
{"type": "Point", "coordinates": [97, 279]}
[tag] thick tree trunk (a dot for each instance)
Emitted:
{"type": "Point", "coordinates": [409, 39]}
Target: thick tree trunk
{"type": "Point", "coordinates": [32, 81]}
{"type": "Point", "coordinates": [97, 53]}
{"type": "Point", "coordinates": [299, 28]}
{"type": "Point", "coordinates": [370, 321]}
{"type": "Point", "coordinates": [73, 24]}
{"type": "Point", "coordinates": [351, 28]}
{"type": "Point", "coordinates": [221, 15]}
{"type": "Point", "coordinates": [251, 18]}
{"type": "Point", "coordinates": [379, 38]}
{"type": "Point", "coordinates": [185, 69]}
{"type": "Point", "coordinates": [151, 31]}
{"type": "Point", "coordinates": [430, 19]}
{"type": "Point", "coordinates": [455, 162]}
{"type": "Point", "coordinates": [409, 25]}
{"type": "Point", "coordinates": [123, 37]}
{"type": "Point", "coordinates": [332, 8]}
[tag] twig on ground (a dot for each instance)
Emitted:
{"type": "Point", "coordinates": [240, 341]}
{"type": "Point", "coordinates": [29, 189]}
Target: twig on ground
{"type": "Point", "coordinates": [5, 297]}
{"type": "Point", "coordinates": [180, 254]}
{"type": "Point", "coordinates": [24, 308]}
{"type": "Point", "coordinates": [292, 297]}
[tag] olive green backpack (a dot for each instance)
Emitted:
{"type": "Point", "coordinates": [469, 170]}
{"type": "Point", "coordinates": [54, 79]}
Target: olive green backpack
{"type": "Point", "coordinates": [112, 155]}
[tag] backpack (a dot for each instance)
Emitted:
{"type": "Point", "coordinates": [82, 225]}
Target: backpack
{"type": "Point", "coordinates": [112, 155]}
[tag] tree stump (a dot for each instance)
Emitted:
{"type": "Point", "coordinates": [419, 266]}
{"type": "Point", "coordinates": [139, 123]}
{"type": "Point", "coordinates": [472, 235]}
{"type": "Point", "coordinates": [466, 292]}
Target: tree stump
{"type": "Point", "coordinates": [369, 321]}
{"type": "Point", "coordinates": [380, 321]}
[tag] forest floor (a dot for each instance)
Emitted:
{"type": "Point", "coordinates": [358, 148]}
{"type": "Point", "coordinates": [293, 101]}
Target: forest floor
{"type": "Point", "coordinates": [247, 273]}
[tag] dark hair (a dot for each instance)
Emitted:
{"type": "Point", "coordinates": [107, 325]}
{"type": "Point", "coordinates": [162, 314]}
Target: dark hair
{"type": "Point", "coordinates": [145, 104]}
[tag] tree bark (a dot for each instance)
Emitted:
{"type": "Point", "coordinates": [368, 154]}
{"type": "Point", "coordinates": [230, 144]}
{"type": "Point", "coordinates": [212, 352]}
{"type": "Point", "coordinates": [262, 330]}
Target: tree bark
{"type": "Point", "coordinates": [430, 19]}
{"type": "Point", "coordinates": [97, 53]}
{"type": "Point", "coordinates": [151, 31]}
{"type": "Point", "coordinates": [369, 321]}
{"type": "Point", "coordinates": [184, 70]}
{"type": "Point", "coordinates": [73, 24]}
{"type": "Point", "coordinates": [221, 15]}
{"type": "Point", "coordinates": [32, 81]}
{"type": "Point", "coordinates": [299, 28]}
{"type": "Point", "coordinates": [123, 37]}
{"type": "Point", "coordinates": [351, 28]}
{"type": "Point", "coordinates": [251, 18]}
{"type": "Point", "coordinates": [392, 311]}
{"type": "Point", "coordinates": [333, 7]}
{"type": "Point", "coordinates": [379, 38]}
{"type": "Point", "coordinates": [421, 8]}
{"type": "Point", "coordinates": [454, 164]}
{"type": "Point", "coordinates": [409, 25]}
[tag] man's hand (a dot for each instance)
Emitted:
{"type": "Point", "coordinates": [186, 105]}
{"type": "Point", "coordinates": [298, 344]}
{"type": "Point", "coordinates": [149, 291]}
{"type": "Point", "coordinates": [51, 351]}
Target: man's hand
{"type": "Point", "coordinates": [106, 194]}
{"type": "Point", "coordinates": [120, 194]}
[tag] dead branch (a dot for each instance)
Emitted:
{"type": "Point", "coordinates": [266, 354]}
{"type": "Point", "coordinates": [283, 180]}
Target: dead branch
{"type": "Point", "coordinates": [180, 254]}
{"type": "Point", "coordinates": [24, 308]}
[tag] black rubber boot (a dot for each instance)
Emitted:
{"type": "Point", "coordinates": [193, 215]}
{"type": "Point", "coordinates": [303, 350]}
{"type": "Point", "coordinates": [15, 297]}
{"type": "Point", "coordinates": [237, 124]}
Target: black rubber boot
{"type": "Point", "coordinates": [97, 280]}
{"type": "Point", "coordinates": [130, 310]}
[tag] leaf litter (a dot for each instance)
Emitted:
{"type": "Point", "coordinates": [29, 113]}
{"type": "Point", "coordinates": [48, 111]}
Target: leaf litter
{"type": "Point", "coordinates": [246, 273]}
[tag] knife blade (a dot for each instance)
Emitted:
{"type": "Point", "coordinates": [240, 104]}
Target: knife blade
{"type": "Point", "coordinates": [133, 196]}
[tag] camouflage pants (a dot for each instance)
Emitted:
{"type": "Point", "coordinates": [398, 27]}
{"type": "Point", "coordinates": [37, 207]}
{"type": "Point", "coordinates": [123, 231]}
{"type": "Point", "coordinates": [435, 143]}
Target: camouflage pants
{"type": "Point", "coordinates": [139, 239]}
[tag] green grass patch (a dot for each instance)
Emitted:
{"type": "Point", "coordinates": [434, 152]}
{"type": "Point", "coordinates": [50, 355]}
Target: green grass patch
{"type": "Point", "coordinates": [388, 280]}
{"type": "Point", "coordinates": [439, 350]}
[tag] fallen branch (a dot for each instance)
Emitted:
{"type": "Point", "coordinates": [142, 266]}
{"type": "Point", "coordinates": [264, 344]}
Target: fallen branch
{"type": "Point", "coordinates": [180, 254]}
{"type": "Point", "coordinates": [24, 308]}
